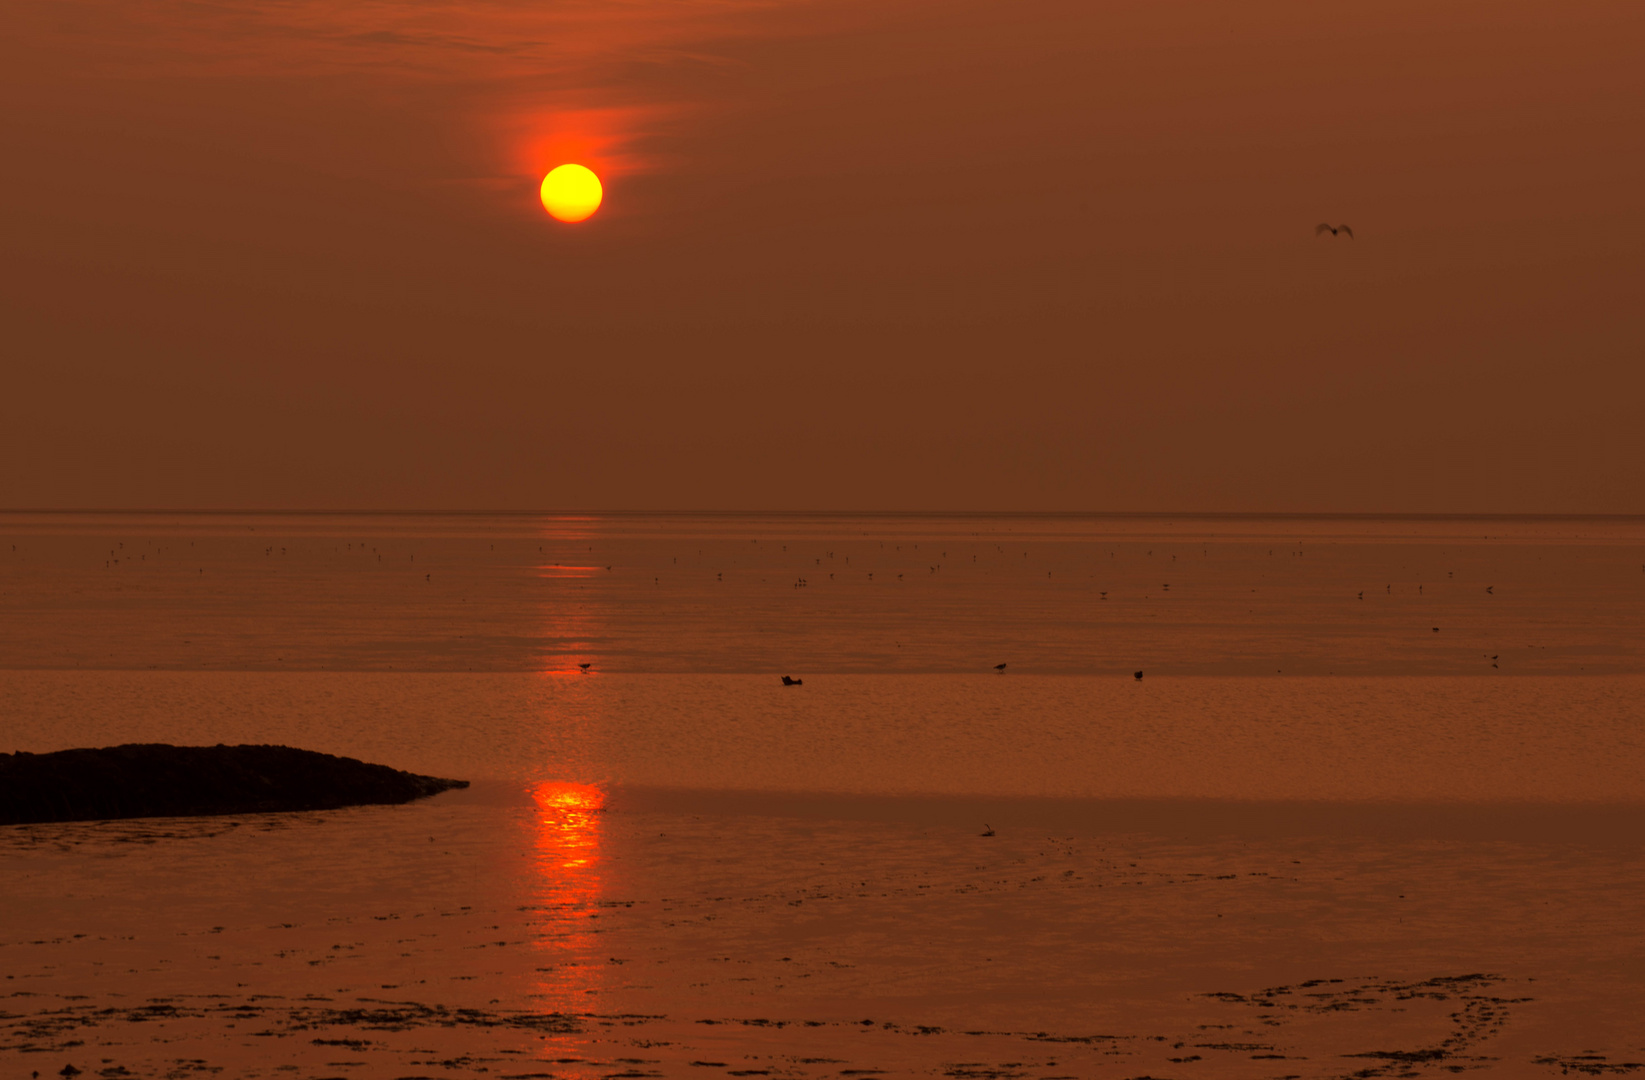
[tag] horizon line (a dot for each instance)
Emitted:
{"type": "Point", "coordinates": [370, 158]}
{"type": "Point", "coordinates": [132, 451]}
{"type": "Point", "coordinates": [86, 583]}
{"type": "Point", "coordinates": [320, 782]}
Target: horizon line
{"type": "Point", "coordinates": [1069, 514]}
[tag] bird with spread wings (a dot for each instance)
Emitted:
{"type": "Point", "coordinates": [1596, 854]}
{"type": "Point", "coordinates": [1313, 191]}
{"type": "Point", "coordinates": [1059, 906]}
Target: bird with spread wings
{"type": "Point", "coordinates": [1322, 226]}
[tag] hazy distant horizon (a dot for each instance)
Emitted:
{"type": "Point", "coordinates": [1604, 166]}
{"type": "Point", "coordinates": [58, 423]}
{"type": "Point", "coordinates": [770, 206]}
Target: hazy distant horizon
{"type": "Point", "coordinates": [799, 512]}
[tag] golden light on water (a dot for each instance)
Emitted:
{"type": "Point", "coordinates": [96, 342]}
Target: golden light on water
{"type": "Point", "coordinates": [572, 192]}
{"type": "Point", "coordinates": [567, 835]}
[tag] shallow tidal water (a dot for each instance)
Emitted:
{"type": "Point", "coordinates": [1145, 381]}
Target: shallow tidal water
{"type": "Point", "coordinates": [1319, 838]}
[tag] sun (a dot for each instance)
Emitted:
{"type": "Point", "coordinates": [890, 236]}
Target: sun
{"type": "Point", "coordinates": [572, 192]}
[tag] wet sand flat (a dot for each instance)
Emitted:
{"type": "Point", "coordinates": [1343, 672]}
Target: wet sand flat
{"type": "Point", "coordinates": [1319, 838]}
{"type": "Point", "coordinates": [1467, 738]}
{"type": "Point", "coordinates": [585, 934]}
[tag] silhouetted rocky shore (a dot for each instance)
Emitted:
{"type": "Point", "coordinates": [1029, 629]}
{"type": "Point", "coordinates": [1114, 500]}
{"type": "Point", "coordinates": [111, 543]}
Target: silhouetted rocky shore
{"type": "Point", "coordinates": [159, 780]}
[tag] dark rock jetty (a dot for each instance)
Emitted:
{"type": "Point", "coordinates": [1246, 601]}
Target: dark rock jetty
{"type": "Point", "coordinates": [158, 780]}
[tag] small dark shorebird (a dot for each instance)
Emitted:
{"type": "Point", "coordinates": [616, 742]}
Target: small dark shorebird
{"type": "Point", "coordinates": [1000, 668]}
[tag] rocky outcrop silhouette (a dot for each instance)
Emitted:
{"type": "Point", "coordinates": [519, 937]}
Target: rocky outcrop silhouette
{"type": "Point", "coordinates": [159, 780]}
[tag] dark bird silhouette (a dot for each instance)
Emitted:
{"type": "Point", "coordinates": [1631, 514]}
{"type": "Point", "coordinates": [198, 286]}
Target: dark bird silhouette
{"type": "Point", "coordinates": [1334, 229]}
{"type": "Point", "coordinates": [789, 681]}
{"type": "Point", "coordinates": [585, 665]}
{"type": "Point", "coordinates": [988, 830]}
{"type": "Point", "coordinates": [1000, 668]}
{"type": "Point", "coordinates": [1137, 675]}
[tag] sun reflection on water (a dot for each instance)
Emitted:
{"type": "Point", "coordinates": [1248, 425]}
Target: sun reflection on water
{"type": "Point", "coordinates": [568, 835]}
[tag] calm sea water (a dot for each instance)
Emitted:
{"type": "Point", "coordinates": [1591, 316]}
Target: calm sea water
{"type": "Point", "coordinates": [1376, 807]}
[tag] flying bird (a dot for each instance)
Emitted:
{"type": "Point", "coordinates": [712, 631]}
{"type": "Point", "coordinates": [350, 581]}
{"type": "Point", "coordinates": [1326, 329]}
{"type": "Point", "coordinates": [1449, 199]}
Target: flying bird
{"type": "Point", "coordinates": [1322, 227]}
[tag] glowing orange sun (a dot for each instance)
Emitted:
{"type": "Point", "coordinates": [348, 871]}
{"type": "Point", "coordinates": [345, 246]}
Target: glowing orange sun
{"type": "Point", "coordinates": [572, 192]}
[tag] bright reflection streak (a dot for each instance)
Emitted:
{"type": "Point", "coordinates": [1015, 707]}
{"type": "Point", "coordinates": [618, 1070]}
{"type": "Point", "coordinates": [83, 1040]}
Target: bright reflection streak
{"type": "Point", "coordinates": [571, 570]}
{"type": "Point", "coordinates": [567, 836]}
{"type": "Point", "coordinates": [567, 818]}
{"type": "Point", "coordinates": [569, 825]}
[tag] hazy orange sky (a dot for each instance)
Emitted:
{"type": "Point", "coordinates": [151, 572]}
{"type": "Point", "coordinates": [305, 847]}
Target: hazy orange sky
{"type": "Point", "coordinates": [900, 254]}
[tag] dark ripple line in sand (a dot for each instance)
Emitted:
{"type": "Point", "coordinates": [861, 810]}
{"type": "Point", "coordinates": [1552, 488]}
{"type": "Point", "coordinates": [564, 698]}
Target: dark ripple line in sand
{"type": "Point", "coordinates": [49, 1029]}
{"type": "Point", "coordinates": [1462, 1003]}
{"type": "Point", "coordinates": [1588, 1064]}
{"type": "Point", "coordinates": [1477, 1017]}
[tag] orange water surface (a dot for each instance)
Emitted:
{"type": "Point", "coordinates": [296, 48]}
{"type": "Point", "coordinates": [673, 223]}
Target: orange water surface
{"type": "Point", "coordinates": [1318, 838]}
